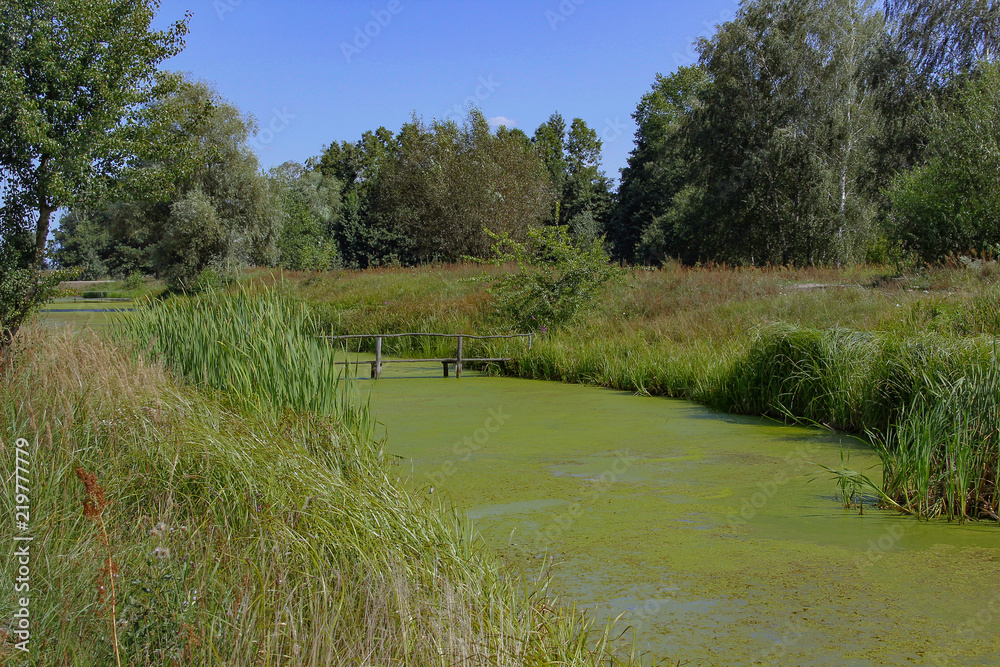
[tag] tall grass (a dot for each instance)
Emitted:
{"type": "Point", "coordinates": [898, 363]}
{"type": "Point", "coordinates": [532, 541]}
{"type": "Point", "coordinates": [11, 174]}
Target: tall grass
{"type": "Point", "coordinates": [256, 345]}
{"type": "Point", "coordinates": [906, 360]}
{"type": "Point", "coordinates": [942, 458]}
{"type": "Point", "coordinates": [929, 404]}
{"type": "Point", "coordinates": [266, 529]}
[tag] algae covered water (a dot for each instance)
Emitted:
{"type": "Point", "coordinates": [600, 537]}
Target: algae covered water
{"type": "Point", "coordinates": [710, 534]}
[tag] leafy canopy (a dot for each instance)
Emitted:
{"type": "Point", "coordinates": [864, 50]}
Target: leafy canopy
{"type": "Point", "coordinates": [74, 76]}
{"type": "Point", "coordinates": [950, 204]}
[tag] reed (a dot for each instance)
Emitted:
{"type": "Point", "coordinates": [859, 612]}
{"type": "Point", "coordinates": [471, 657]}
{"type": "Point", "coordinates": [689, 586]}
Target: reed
{"type": "Point", "coordinates": [906, 361]}
{"type": "Point", "coordinates": [264, 529]}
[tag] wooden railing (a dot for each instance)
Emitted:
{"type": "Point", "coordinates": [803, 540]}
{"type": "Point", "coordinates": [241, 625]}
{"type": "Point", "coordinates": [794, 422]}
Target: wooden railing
{"type": "Point", "coordinates": [456, 360]}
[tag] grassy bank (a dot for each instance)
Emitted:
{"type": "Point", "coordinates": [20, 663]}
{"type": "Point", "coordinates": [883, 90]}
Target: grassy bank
{"type": "Point", "coordinates": [238, 515]}
{"type": "Point", "coordinates": [910, 361]}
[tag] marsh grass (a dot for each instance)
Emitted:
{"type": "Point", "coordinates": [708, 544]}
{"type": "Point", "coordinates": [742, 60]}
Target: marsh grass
{"type": "Point", "coordinates": [907, 361]}
{"type": "Point", "coordinates": [259, 529]}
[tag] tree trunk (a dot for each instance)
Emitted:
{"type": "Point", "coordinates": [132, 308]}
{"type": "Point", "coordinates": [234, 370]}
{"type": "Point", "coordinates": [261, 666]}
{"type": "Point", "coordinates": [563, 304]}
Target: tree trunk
{"type": "Point", "coordinates": [41, 234]}
{"type": "Point", "coordinates": [45, 212]}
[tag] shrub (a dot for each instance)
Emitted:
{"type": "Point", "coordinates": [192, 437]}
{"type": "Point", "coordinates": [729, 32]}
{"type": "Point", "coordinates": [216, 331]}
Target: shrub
{"type": "Point", "coordinates": [556, 278]}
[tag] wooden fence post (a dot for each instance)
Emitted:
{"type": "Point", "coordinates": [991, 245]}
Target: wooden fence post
{"type": "Point", "coordinates": [458, 364]}
{"type": "Point", "coordinates": [378, 358]}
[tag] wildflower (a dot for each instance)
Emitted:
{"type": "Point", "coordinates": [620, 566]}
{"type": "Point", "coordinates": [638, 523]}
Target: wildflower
{"type": "Point", "coordinates": [161, 552]}
{"type": "Point", "coordinates": [158, 530]}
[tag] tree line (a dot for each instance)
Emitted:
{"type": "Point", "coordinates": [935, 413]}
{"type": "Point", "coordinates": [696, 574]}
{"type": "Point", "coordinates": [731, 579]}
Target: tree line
{"type": "Point", "coordinates": [808, 132]}
{"type": "Point", "coordinates": [429, 192]}
{"type": "Point", "coordinates": [821, 132]}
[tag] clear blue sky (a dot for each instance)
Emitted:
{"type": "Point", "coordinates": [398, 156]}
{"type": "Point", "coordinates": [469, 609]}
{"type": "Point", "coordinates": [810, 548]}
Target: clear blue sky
{"type": "Point", "coordinates": [311, 75]}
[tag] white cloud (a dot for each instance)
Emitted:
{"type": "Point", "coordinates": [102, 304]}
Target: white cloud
{"type": "Point", "coordinates": [497, 121]}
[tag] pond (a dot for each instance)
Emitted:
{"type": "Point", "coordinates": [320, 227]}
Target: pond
{"type": "Point", "coordinates": [710, 534]}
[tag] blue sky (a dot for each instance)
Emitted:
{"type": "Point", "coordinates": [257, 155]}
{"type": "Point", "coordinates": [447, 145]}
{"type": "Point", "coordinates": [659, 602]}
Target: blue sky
{"type": "Point", "coordinates": [314, 72]}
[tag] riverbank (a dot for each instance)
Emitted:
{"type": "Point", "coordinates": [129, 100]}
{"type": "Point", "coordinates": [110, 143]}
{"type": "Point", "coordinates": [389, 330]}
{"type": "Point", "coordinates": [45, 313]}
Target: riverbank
{"type": "Point", "coordinates": [234, 514]}
{"type": "Point", "coordinates": [908, 360]}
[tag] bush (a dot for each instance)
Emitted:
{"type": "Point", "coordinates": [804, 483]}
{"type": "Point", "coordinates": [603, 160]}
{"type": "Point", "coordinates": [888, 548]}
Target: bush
{"type": "Point", "coordinates": [135, 281]}
{"type": "Point", "coordinates": [556, 278]}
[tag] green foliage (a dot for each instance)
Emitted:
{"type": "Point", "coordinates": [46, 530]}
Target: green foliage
{"type": "Point", "coordinates": [310, 203]}
{"type": "Point", "coordinates": [556, 279]}
{"type": "Point", "coordinates": [942, 459]}
{"type": "Point", "coordinates": [364, 234]}
{"type": "Point", "coordinates": [750, 341]}
{"type": "Point", "coordinates": [73, 76]}
{"type": "Point", "coordinates": [427, 193]}
{"type": "Point", "coordinates": [23, 288]}
{"type": "Point", "coordinates": [223, 519]}
{"type": "Point", "coordinates": [134, 282]}
{"type": "Point", "coordinates": [260, 347]}
{"type": "Point", "coordinates": [781, 148]}
{"type": "Point", "coordinates": [193, 198]}
{"type": "Point", "coordinates": [193, 236]}
{"type": "Point", "coordinates": [22, 292]}
{"type": "Point", "coordinates": [448, 184]}
{"type": "Point", "coordinates": [304, 244]}
{"type": "Point", "coordinates": [951, 203]}
{"type": "Point", "coordinates": [657, 168]}
{"type": "Point", "coordinates": [572, 158]}
{"type": "Point", "coordinates": [85, 244]}
{"type": "Point", "coordinates": [945, 39]}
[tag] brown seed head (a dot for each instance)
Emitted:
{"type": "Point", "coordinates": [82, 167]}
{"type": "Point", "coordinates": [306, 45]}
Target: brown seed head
{"type": "Point", "coordinates": [95, 502]}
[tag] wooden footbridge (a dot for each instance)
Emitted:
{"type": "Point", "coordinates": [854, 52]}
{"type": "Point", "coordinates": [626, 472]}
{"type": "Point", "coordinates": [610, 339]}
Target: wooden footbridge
{"type": "Point", "coordinates": [455, 361]}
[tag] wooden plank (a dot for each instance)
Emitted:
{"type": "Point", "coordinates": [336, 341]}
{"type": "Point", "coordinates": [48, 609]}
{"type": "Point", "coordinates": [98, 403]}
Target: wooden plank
{"type": "Point", "coordinates": [445, 364]}
{"type": "Point", "coordinates": [437, 335]}
{"type": "Point", "coordinates": [424, 361]}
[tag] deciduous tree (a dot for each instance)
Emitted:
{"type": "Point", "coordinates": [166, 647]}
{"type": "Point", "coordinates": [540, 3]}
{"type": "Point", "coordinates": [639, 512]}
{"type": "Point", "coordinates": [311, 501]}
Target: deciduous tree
{"type": "Point", "coordinates": [74, 76]}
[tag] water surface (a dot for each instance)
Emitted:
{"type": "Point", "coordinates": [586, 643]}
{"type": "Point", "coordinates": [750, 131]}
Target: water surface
{"type": "Point", "coordinates": [703, 529]}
